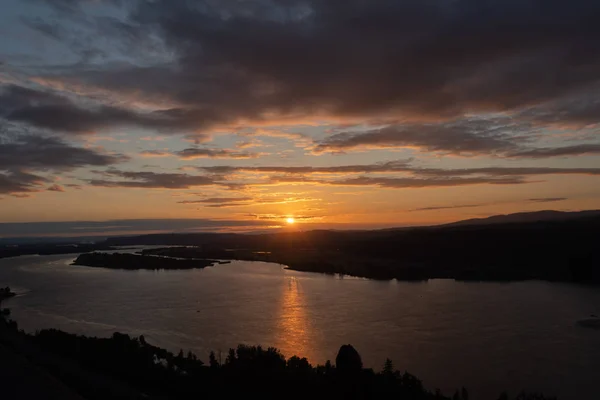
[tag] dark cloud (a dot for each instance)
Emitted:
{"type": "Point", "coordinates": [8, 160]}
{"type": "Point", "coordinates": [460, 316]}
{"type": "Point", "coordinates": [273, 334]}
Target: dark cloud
{"type": "Point", "coordinates": [499, 137]}
{"type": "Point", "coordinates": [154, 153]}
{"type": "Point", "coordinates": [24, 156]}
{"type": "Point", "coordinates": [122, 227]}
{"type": "Point", "coordinates": [55, 188]}
{"type": "Point", "coordinates": [405, 183]}
{"type": "Point", "coordinates": [151, 180]}
{"type": "Point", "coordinates": [506, 171]}
{"type": "Point", "coordinates": [48, 110]}
{"type": "Point", "coordinates": [460, 138]}
{"type": "Point", "coordinates": [537, 200]}
{"type": "Point", "coordinates": [260, 60]}
{"type": "Point", "coordinates": [403, 166]}
{"type": "Point", "coordinates": [196, 152]}
{"type": "Point", "coordinates": [545, 152]}
{"type": "Point", "coordinates": [548, 199]}
{"type": "Point", "coordinates": [228, 205]}
{"type": "Point", "coordinates": [43, 153]}
{"type": "Point", "coordinates": [217, 200]}
{"type": "Point", "coordinates": [391, 166]}
{"type": "Point", "coordinates": [17, 182]}
{"type": "Point", "coordinates": [449, 207]}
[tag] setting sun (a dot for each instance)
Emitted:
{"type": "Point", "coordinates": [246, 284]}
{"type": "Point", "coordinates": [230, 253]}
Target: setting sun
{"type": "Point", "coordinates": [290, 220]}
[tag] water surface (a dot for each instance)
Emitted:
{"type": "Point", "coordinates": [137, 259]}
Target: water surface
{"type": "Point", "coordinates": [486, 336]}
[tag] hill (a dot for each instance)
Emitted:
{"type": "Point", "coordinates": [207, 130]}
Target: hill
{"type": "Point", "coordinates": [536, 216]}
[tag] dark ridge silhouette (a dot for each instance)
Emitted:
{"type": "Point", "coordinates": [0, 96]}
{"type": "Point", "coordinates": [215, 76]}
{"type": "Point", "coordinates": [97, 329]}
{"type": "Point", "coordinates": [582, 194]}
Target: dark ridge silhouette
{"type": "Point", "coordinates": [136, 261]}
{"type": "Point", "coordinates": [536, 216]}
{"type": "Point", "coordinates": [560, 248]}
{"type": "Point", "coordinates": [124, 367]}
{"type": "Point", "coordinates": [563, 250]}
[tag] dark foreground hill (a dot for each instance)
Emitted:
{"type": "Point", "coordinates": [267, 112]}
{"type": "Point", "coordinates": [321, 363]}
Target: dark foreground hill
{"type": "Point", "coordinates": [56, 365]}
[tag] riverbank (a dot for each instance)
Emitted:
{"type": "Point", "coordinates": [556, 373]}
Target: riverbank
{"type": "Point", "coordinates": [501, 268]}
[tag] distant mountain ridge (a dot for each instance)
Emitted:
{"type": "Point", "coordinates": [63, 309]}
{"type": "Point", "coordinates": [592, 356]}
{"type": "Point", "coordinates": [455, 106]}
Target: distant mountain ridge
{"type": "Point", "coordinates": [523, 217]}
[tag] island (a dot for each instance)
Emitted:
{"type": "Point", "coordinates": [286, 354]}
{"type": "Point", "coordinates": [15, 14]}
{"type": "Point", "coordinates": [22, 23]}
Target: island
{"type": "Point", "coordinates": [140, 261]}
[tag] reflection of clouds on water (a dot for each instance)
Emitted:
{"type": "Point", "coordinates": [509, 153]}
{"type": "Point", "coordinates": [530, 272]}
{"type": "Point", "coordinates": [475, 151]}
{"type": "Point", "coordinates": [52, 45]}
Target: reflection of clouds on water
{"type": "Point", "coordinates": [293, 322]}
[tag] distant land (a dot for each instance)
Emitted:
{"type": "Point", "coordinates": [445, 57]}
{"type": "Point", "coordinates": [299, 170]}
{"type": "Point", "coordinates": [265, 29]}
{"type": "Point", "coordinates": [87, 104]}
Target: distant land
{"type": "Point", "coordinates": [548, 245]}
{"type": "Point", "coordinates": [536, 216]}
{"type": "Point", "coordinates": [137, 261]}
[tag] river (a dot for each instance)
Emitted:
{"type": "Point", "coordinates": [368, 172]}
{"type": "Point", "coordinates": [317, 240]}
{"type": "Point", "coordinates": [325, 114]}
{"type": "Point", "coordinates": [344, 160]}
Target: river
{"type": "Point", "coordinates": [485, 336]}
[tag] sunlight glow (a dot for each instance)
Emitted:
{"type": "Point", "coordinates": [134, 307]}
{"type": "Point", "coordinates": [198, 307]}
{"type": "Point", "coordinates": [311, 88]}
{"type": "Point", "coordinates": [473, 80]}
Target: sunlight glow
{"type": "Point", "coordinates": [290, 220]}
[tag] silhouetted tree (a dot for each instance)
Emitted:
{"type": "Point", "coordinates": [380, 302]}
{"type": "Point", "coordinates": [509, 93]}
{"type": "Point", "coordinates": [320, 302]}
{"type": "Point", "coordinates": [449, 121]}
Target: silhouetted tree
{"type": "Point", "coordinates": [212, 360]}
{"type": "Point", "coordinates": [299, 365]}
{"type": "Point", "coordinates": [348, 359]}
{"type": "Point", "coordinates": [230, 360]}
{"type": "Point", "coordinates": [464, 394]}
{"type": "Point", "coordinates": [503, 396]}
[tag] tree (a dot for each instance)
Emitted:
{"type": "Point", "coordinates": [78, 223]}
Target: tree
{"type": "Point", "coordinates": [230, 360]}
{"type": "Point", "coordinates": [388, 367]}
{"type": "Point", "coordinates": [348, 359]}
{"type": "Point", "coordinates": [464, 394]}
{"type": "Point", "coordinates": [212, 360]}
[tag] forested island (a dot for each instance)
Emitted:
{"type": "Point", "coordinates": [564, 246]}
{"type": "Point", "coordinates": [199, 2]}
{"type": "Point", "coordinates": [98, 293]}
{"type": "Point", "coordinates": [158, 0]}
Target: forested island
{"type": "Point", "coordinates": [137, 261]}
{"type": "Point", "coordinates": [55, 364]}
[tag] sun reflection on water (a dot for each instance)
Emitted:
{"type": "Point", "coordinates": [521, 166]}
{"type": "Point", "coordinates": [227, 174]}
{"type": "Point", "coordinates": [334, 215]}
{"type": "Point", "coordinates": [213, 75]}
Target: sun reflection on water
{"type": "Point", "coordinates": [293, 321]}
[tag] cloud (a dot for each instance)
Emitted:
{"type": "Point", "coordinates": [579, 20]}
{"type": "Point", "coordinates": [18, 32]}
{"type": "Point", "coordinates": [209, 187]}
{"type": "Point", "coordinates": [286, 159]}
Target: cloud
{"type": "Point", "coordinates": [265, 60]}
{"type": "Point", "coordinates": [449, 207]}
{"type": "Point", "coordinates": [401, 166]}
{"type": "Point", "coordinates": [567, 151]}
{"type": "Point", "coordinates": [46, 109]}
{"type": "Point", "coordinates": [506, 171]}
{"type": "Point", "coordinates": [283, 217]}
{"type": "Point", "coordinates": [18, 182]}
{"type": "Point", "coordinates": [391, 166]}
{"type": "Point", "coordinates": [24, 156]}
{"type": "Point", "coordinates": [151, 180]}
{"type": "Point", "coordinates": [46, 152]}
{"type": "Point", "coordinates": [548, 199]}
{"type": "Point", "coordinates": [55, 188]}
{"type": "Point", "coordinates": [230, 202]}
{"type": "Point", "coordinates": [406, 183]}
{"type": "Point", "coordinates": [459, 138]}
{"type": "Point", "coordinates": [122, 227]}
{"type": "Point", "coordinates": [195, 152]}
{"type": "Point", "coordinates": [217, 200]}
{"type": "Point", "coordinates": [155, 153]}
{"type": "Point", "coordinates": [537, 200]}
{"type": "Point", "coordinates": [498, 137]}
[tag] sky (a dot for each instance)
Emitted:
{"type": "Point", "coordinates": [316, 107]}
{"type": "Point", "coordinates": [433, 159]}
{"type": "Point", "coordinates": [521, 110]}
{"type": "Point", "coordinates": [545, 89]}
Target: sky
{"type": "Point", "coordinates": [233, 115]}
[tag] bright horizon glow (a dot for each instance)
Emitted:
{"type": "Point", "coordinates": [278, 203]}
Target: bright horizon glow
{"type": "Point", "coordinates": [290, 220]}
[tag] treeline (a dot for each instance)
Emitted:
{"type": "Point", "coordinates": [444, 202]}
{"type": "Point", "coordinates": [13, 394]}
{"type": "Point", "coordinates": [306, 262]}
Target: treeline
{"type": "Point", "coordinates": [244, 372]}
{"type": "Point", "coordinates": [564, 250]}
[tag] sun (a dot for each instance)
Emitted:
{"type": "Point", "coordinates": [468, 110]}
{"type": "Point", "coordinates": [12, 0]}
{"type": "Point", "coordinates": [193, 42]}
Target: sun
{"type": "Point", "coordinates": [290, 220]}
